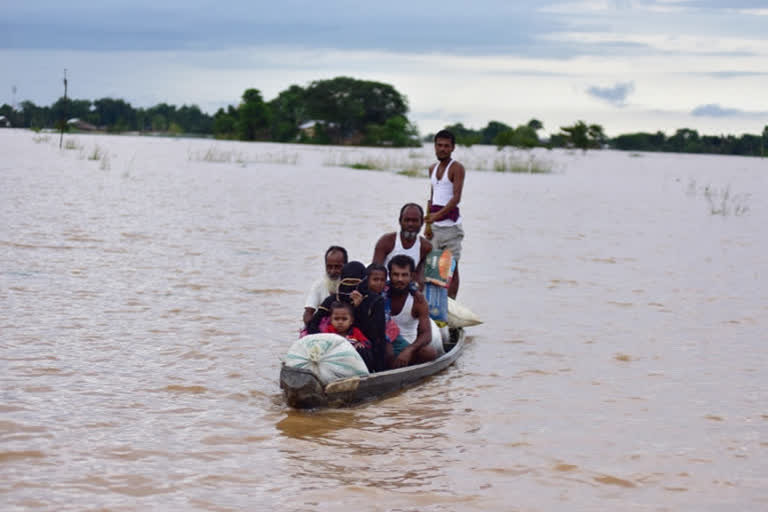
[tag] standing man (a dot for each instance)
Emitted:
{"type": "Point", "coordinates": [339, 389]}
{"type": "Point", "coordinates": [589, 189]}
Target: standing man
{"type": "Point", "coordinates": [409, 310]}
{"type": "Point", "coordinates": [335, 259]}
{"type": "Point", "coordinates": [447, 180]}
{"type": "Point", "coordinates": [407, 241]}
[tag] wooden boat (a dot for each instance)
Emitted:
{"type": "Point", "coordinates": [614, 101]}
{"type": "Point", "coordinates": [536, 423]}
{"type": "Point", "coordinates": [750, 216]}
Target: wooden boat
{"type": "Point", "coordinates": [303, 390]}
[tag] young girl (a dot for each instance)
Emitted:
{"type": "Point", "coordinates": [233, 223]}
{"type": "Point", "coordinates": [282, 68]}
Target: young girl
{"type": "Point", "coordinates": [342, 319]}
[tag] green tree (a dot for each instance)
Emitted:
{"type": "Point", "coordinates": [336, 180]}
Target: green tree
{"type": "Point", "coordinates": [465, 136]}
{"type": "Point", "coordinates": [224, 123]}
{"type": "Point", "coordinates": [70, 108]}
{"type": "Point", "coordinates": [159, 123]}
{"type": "Point", "coordinates": [396, 131]}
{"type": "Point", "coordinates": [684, 140]}
{"type": "Point", "coordinates": [289, 111]}
{"type": "Point", "coordinates": [577, 135]}
{"type": "Point", "coordinates": [35, 117]}
{"type": "Point", "coordinates": [253, 120]}
{"type": "Point", "coordinates": [524, 136]}
{"type": "Point", "coordinates": [347, 105]}
{"type": "Point", "coordinates": [160, 117]}
{"type": "Point", "coordinates": [596, 136]}
{"type": "Point", "coordinates": [493, 129]}
{"type": "Point", "coordinates": [10, 114]}
{"type": "Point", "coordinates": [116, 114]}
{"type": "Point", "coordinates": [535, 124]}
{"type": "Point", "coordinates": [192, 120]}
{"type": "Point", "coordinates": [640, 141]}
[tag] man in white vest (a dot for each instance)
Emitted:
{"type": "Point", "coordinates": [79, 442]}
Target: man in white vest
{"type": "Point", "coordinates": [407, 241]}
{"type": "Point", "coordinates": [409, 309]}
{"type": "Point", "coordinates": [444, 218]}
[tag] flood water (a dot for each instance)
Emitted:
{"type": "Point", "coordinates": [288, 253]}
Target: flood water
{"type": "Point", "coordinates": [146, 298]}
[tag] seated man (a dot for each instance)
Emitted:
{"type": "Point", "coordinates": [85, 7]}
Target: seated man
{"type": "Point", "coordinates": [407, 241]}
{"type": "Point", "coordinates": [409, 310]}
{"type": "Point", "coordinates": [335, 259]}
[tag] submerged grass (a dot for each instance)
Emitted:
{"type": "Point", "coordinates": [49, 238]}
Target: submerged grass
{"type": "Point", "coordinates": [720, 200]}
{"type": "Point", "coordinates": [72, 144]}
{"type": "Point", "coordinates": [529, 164]}
{"type": "Point", "coordinates": [412, 173]}
{"type": "Point", "coordinates": [387, 160]}
{"type": "Point", "coordinates": [97, 153]}
{"type": "Point", "coordinates": [105, 162]}
{"type": "Point", "coordinates": [216, 155]}
{"type": "Point", "coordinates": [363, 166]}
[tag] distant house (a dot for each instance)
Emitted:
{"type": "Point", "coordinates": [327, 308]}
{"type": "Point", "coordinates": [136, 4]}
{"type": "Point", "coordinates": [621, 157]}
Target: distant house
{"type": "Point", "coordinates": [81, 125]}
{"type": "Point", "coordinates": [5, 122]}
{"type": "Point", "coordinates": [308, 128]}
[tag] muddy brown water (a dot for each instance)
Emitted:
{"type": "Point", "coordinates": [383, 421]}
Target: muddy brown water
{"type": "Point", "coordinates": [146, 300]}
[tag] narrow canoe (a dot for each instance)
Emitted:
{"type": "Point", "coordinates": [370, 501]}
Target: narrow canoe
{"type": "Point", "coordinates": [302, 390]}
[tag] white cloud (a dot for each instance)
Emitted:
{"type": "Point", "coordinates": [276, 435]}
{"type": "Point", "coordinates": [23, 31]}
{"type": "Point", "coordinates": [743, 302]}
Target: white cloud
{"type": "Point", "coordinates": [500, 60]}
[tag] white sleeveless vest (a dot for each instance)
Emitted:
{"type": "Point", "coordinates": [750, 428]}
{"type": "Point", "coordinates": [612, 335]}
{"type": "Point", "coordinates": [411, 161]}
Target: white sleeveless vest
{"type": "Point", "coordinates": [414, 252]}
{"type": "Point", "coordinates": [442, 192]}
{"type": "Point", "coordinates": [409, 326]}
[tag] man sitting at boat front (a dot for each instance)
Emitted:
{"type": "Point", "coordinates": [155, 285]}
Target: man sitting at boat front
{"type": "Point", "coordinates": [408, 308]}
{"type": "Point", "coordinates": [335, 259]}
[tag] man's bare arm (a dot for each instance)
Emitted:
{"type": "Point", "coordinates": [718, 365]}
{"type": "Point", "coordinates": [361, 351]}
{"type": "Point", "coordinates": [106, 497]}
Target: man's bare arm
{"type": "Point", "coordinates": [426, 248]}
{"type": "Point", "coordinates": [383, 247]}
{"type": "Point", "coordinates": [420, 310]}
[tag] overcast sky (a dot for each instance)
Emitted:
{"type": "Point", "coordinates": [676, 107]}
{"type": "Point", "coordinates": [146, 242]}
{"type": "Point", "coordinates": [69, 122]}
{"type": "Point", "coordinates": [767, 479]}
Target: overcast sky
{"type": "Point", "coordinates": [629, 65]}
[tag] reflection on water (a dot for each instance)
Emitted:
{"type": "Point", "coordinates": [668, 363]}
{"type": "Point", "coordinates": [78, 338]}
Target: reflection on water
{"type": "Point", "coordinates": [144, 310]}
{"type": "Point", "coordinates": [382, 445]}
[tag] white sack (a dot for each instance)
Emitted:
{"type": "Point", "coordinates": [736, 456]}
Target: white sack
{"type": "Point", "coordinates": [437, 338]}
{"type": "Point", "coordinates": [460, 316]}
{"type": "Point", "coordinates": [329, 356]}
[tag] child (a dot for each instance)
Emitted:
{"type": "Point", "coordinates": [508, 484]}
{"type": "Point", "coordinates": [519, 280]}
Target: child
{"type": "Point", "coordinates": [383, 353]}
{"type": "Point", "coordinates": [377, 277]}
{"type": "Point", "coordinates": [342, 318]}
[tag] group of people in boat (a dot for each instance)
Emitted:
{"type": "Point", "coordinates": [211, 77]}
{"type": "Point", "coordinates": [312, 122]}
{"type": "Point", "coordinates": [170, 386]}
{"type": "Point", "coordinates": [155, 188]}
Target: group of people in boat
{"type": "Point", "coordinates": [380, 308]}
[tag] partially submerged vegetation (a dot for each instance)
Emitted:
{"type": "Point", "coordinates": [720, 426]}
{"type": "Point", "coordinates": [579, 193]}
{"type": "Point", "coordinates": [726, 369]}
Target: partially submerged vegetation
{"type": "Point", "coordinates": [521, 164]}
{"type": "Point", "coordinates": [385, 160]}
{"type": "Point", "coordinates": [216, 154]}
{"type": "Point", "coordinates": [720, 200]}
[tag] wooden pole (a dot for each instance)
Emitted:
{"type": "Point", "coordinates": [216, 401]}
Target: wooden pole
{"type": "Point", "coordinates": [64, 121]}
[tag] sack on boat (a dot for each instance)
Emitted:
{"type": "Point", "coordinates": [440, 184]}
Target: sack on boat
{"type": "Point", "coordinates": [329, 356]}
{"type": "Point", "coordinates": [437, 301]}
{"type": "Point", "coordinates": [438, 267]}
{"type": "Point", "coordinates": [460, 316]}
{"type": "Point", "coordinates": [437, 338]}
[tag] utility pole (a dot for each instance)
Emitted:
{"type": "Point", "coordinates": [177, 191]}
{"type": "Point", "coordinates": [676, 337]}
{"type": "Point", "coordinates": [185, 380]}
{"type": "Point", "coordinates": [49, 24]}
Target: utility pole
{"type": "Point", "coordinates": [64, 121]}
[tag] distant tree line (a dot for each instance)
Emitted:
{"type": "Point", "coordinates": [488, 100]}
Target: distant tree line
{"type": "Point", "coordinates": [111, 115]}
{"type": "Point", "coordinates": [580, 135]}
{"type": "Point", "coordinates": [585, 136]}
{"type": "Point", "coordinates": [346, 110]}
{"type": "Point", "coordinates": [341, 110]}
{"type": "Point", "coordinates": [686, 140]}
